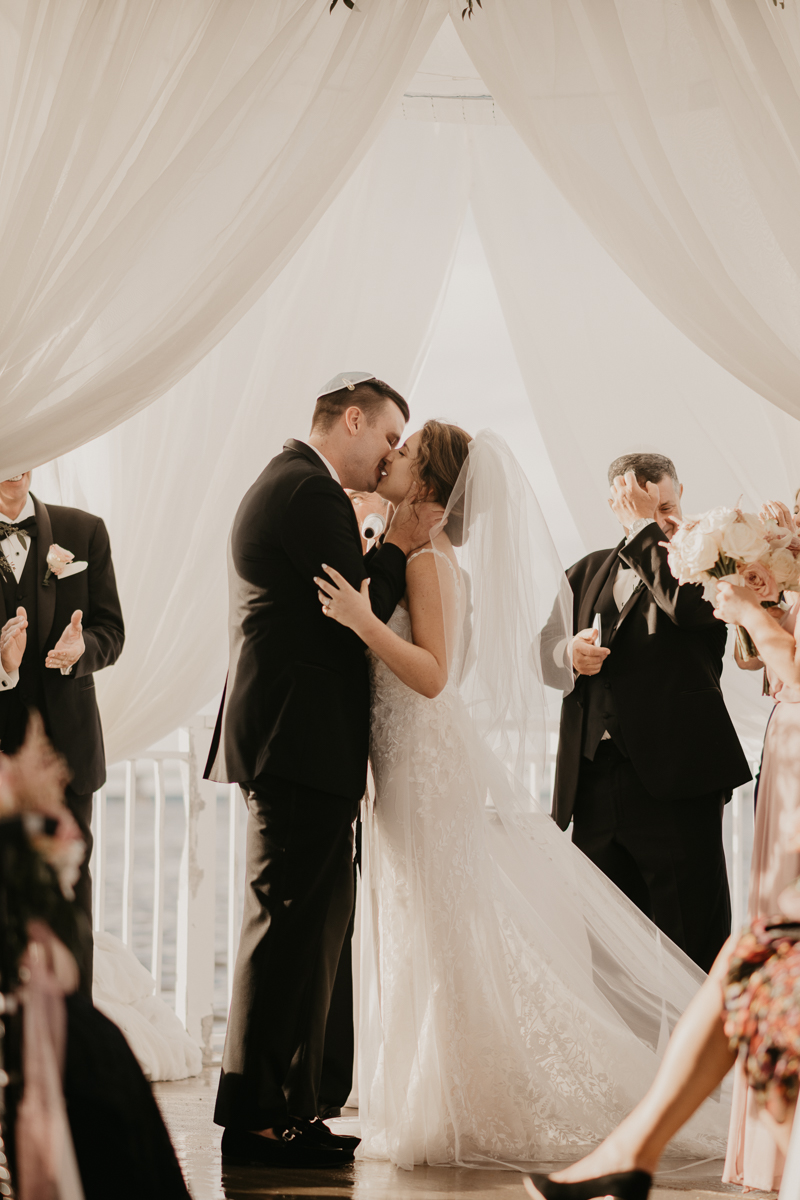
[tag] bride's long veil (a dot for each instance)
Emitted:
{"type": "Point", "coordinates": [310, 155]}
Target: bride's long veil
{"type": "Point", "coordinates": [508, 659]}
{"type": "Point", "coordinates": [514, 638]}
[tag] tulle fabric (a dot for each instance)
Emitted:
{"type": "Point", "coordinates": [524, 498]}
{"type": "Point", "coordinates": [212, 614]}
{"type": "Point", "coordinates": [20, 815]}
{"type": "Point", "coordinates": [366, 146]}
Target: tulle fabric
{"type": "Point", "coordinates": [514, 1003]}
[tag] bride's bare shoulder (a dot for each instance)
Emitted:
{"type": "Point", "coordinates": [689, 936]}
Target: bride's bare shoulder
{"type": "Point", "coordinates": [423, 565]}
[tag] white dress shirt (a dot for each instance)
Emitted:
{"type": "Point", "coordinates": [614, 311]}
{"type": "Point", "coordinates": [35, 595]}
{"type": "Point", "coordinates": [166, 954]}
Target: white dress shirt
{"type": "Point", "coordinates": [625, 584]}
{"type": "Point", "coordinates": [15, 552]}
{"type": "Point", "coordinates": [319, 454]}
{"type": "Point", "coordinates": [16, 556]}
{"type": "Point", "coordinates": [627, 579]}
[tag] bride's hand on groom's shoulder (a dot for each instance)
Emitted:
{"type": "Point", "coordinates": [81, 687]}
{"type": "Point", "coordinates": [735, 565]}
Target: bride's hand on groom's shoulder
{"type": "Point", "coordinates": [412, 524]}
{"type": "Point", "coordinates": [342, 602]}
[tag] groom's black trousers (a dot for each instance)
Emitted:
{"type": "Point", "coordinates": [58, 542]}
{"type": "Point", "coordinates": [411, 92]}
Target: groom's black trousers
{"type": "Point", "coordinates": [297, 907]}
{"type": "Point", "coordinates": [666, 856]}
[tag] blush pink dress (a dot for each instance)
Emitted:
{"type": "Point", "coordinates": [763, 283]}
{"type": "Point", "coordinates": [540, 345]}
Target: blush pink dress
{"type": "Point", "coordinates": [753, 1160]}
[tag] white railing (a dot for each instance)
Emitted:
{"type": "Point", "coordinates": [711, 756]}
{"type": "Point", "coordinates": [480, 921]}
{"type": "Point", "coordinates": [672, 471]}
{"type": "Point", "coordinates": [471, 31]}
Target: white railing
{"type": "Point", "coordinates": [195, 911]}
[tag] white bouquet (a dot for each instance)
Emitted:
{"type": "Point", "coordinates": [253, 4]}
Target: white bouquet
{"type": "Point", "coordinates": [740, 548]}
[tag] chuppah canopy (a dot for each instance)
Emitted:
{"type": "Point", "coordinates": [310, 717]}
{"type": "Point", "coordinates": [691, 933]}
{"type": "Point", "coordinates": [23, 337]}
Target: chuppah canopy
{"type": "Point", "coordinates": [604, 370]}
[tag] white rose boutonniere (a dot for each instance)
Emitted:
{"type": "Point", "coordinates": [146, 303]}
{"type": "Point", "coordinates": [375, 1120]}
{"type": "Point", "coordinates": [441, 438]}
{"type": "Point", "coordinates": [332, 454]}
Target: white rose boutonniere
{"type": "Point", "coordinates": [61, 563]}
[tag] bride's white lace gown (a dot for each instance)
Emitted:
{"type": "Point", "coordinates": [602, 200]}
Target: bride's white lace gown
{"type": "Point", "coordinates": [483, 1036]}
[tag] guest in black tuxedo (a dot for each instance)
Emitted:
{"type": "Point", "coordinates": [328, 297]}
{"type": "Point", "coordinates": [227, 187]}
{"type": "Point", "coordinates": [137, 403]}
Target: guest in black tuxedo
{"type": "Point", "coordinates": [647, 754]}
{"type": "Point", "coordinates": [293, 732]}
{"type": "Point", "coordinates": [56, 632]}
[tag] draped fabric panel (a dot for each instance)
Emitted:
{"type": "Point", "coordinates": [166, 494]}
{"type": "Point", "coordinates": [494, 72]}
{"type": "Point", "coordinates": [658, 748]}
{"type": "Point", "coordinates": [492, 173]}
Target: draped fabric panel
{"type": "Point", "coordinates": [604, 369]}
{"type": "Point", "coordinates": [607, 374]}
{"type": "Point", "coordinates": [362, 292]}
{"type": "Point", "coordinates": [161, 164]}
{"type": "Point", "coordinates": [673, 129]}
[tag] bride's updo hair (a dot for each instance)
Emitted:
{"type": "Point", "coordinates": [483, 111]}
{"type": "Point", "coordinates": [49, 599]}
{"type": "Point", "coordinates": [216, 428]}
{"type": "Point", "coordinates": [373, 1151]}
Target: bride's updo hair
{"type": "Point", "coordinates": [441, 454]}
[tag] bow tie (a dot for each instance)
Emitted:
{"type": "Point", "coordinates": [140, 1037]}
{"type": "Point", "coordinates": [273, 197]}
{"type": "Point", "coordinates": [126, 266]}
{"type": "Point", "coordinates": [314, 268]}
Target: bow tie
{"type": "Point", "coordinates": [22, 529]}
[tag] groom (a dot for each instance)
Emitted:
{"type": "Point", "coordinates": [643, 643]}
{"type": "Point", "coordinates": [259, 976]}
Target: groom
{"type": "Point", "coordinates": [293, 732]}
{"type": "Point", "coordinates": [647, 752]}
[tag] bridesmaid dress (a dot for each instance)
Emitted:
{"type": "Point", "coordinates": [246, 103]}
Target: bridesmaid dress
{"type": "Point", "coordinates": [753, 1160]}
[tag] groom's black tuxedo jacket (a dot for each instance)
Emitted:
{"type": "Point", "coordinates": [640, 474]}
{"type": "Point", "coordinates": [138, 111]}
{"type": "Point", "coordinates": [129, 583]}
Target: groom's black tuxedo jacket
{"type": "Point", "coordinates": [67, 702]}
{"type": "Point", "coordinates": [663, 677]}
{"type": "Point", "coordinates": [296, 700]}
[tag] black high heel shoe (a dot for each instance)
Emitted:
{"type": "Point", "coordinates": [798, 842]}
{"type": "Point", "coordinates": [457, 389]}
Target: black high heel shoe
{"type": "Point", "coordinates": [626, 1185]}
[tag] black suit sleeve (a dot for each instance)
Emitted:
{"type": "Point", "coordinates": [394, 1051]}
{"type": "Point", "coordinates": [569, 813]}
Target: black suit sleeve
{"type": "Point", "coordinates": [321, 527]}
{"type": "Point", "coordinates": [683, 603]}
{"type": "Point", "coordinates": [103, 627]}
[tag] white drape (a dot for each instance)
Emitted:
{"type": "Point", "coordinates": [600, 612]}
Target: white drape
{"type": "Point", "coordinates": [604, 370]}
{"type": "Point", "coordinates": [606, 373]}
{"type": "Point", "coordinates": [674, 131]}
{"type": "Point", "coordinates": [362, 292]}
{"type": "Point", "coordinates": [161, 164]}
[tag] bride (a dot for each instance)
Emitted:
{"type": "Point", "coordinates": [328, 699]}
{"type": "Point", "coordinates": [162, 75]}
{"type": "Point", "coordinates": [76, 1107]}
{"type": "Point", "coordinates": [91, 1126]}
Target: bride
{"type": "Point", "coordinates": [514, 1004]}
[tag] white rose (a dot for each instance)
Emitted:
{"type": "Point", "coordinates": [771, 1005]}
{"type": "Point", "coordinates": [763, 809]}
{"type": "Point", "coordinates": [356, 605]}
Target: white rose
{"type": "Point", "coordinates": [675, 559]}
{"type": "Point", "coordinates": [716, 521]}
{"type": "Point", "coordinates": [743, 541]}
{"type": "Point", "coordinates": [785, 567]}
{"type": "Point", "coordinates": [698, 551]}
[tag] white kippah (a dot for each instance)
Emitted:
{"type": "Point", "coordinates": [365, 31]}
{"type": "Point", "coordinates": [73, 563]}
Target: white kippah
{"type": "Point", "coordinates": [347, 379]}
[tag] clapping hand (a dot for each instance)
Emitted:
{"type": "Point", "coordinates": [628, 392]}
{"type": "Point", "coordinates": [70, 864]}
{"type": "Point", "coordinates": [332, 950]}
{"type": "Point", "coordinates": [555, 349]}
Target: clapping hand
{"type": "Point", "coordinates": [70, 646]}
{"type": "Point", "coordinates": [776, 510]}
{"type": "Point", "coordinates": [13, 640]}
{"type": "Point", "coordinates": [342, 602]}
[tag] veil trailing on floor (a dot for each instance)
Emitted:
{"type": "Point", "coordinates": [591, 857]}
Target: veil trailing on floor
{"type": "Point", "coordinates": [581, 989]}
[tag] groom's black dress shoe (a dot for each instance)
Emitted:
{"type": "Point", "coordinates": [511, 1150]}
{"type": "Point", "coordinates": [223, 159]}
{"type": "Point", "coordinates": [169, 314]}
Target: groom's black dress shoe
{"type": "Point", "coordinates": [319, 1133]}
{"type": "Point", "coordinates": [328, 1111]}
{"type": "Point", "coordinates": [292, 1148]}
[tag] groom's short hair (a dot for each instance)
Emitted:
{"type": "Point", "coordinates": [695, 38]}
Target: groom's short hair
{"type": "Point", "coordinates": [648, 468]}
{"type": "Point", "coordinates": [370, 396]}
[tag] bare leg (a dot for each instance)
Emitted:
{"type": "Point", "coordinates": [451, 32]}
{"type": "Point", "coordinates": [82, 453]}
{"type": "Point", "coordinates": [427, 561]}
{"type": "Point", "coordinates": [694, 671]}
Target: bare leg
{"type": "Point", "coordinates": [697, 1059]}
{"type": "Point", "coordinates": [781, 1130]}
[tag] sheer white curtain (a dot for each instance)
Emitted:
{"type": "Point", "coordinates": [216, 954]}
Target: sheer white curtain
{"type": "Point", "coordinates": [362, 292]}
{"type": "Point", "coordinates": [673, 128]}
{"type": "Point", "coordinates": [160, 165]}
{"type": "Point", "coordinates": [607, 373]}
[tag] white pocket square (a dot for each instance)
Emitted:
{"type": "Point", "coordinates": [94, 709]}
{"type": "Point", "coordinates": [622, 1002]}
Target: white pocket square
{"type": "Point", "coordinates": [73, 568]}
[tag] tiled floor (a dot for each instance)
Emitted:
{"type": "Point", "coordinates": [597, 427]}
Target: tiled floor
{"type": "Point", "coordinates": [188, 1106]}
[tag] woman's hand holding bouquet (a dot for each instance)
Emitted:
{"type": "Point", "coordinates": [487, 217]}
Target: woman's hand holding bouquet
{"type": "Point", "coordinates": [743, 562]}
